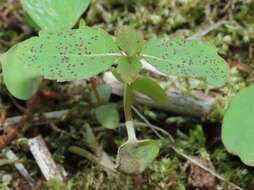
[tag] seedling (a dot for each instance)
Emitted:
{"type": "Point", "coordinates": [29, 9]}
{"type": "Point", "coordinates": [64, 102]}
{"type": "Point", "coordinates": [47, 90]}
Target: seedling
{"type": "Point", "coordinates": [64, 54]}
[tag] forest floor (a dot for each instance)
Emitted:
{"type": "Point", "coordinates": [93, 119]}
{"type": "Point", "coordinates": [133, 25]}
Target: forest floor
{"type": "Point", "coordinates": [184, 138]}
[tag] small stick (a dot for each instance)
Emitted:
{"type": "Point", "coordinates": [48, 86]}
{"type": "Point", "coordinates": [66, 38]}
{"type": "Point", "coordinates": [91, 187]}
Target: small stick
{"type": "Point", "coordinates": [36, 117]}
{"type": "Point", "coordinates": [10, 155]}
{"type": "Point", "coordinates": [144, 119]}
{"type": "Point", "coordinates": [197, 163]}
{"type": "Point", "coordinates": [199, 35]}
{"type": "Point", "coordinates": [44, 159]}
{"type": "Point", "coordinates": [201, 107]}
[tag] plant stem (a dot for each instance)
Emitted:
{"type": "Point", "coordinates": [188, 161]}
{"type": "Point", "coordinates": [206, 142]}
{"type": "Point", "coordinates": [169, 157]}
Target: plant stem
{"type": "Point", "coordinates": [128, 113]}
{"type": "Point", "coordinates": [131, 131]}
{"type": "Point", "coordinates": [96, 93]}
{"type": "Point", "coordinates": [104, 160]}
{"type": "Point", "coordinates": [84, 153]}
{"type": "Point", "coordinates": [127, 98]}
{"type": "Point", "coordinates": [1, 58]}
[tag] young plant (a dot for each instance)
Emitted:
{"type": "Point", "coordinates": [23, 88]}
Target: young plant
{"type": "Point", "coordinates": [74, 54]}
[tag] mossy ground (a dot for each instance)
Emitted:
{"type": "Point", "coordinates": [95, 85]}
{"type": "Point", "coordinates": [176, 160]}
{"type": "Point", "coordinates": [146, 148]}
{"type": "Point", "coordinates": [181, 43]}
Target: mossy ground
{"type": "Point", "coordinates": [196, 139]}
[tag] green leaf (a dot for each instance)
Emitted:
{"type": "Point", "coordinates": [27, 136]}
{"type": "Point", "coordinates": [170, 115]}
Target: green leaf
{"type": "Point", "coordinates": [238, 126]}
{"type": "Point", "coordinates": [150, 88]}
{"type": "Point", "coordinates": [55, 15]}
{"type": "Point", "coordinates": [116, 74]}
{"type": "Point", "coordinates": [63, 56]}
{"type": "Point", "coordinates": [108, 116]}
{"type": "Point", "coordinates": [129, 68]}
{"type": "Point", "coordinates": [176, 56]}
{"type": "Point", "coordinates": [135, 157]}
{"type": "Point", "coordinates": [29, 21]}
{"type": "Point", "coordinates": [90, 138]}
{"type": "Point", "coordinates": [55, 184]}
{"type": "Point", "coordinates": [130, 40]}
{"type": "Point", "coordinates": [104, 92]}
{"type": "Point", "coordinates": [21, 81]}
{"type": "Point", "coordinates": [71, 55]}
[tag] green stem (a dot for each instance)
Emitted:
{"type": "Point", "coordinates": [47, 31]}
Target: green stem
{"type": "Point", "coordinates": [9, 162]}
{"type": "Point", "coordinates": [131, 131]}
{"type": "Point", "coordinates": [128, 112]}
{"type": "Point", "coordinates": [104, 160]}
{"type": "Point", "coordinates": [127, 98]}
{"type": "Point", "coordinates": [84, 153]}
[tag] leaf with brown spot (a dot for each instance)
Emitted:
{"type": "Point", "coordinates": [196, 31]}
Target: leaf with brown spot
{"type": "Point", "coordinates": [176, 56]}
{"type": "Point", "coordinates": [64, 56]}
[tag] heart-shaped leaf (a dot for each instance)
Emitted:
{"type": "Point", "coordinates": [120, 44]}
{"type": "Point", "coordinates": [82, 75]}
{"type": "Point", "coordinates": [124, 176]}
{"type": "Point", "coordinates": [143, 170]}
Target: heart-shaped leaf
{"type": "Point", "coordinates": [62, 56]}
{"type": "Point", "coordinates": [238, 126]}
{"type": "Point", "coordinates": [176, 56]}
{"type": "Point", "coordinates": [135, 156]}
{"type": "Point", "coordinates": [150, 88]}
{"type": "Point", "coordinates": [55, 15]}
{"type": "Point", "coordinates": [108, 116]}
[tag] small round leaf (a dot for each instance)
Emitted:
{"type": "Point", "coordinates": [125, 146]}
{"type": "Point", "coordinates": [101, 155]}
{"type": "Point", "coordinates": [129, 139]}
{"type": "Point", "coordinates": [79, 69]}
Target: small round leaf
{"type": "Point", "coordinates": [108, 116]}
{"type": "Point", "coordinates": [134, 157]}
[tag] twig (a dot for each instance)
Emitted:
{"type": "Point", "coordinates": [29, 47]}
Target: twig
{"type": "Point", "coordinates": [10, 155]}
{"type": "Point", "coordinates": [146, 121]}
{"type": "Point", "coordinates": [195, 162]}
{"type": "Point", "coordinates": [44, 159]}
{"type": "Point", "coordinates": [61, 131]}
{"type": "Point", "coordinates": [10, 133]}
{"type": "Point", "coordinates": [37, 117]}
{"type": "Point", "coordinates": [201, 107]}
{"type": "Point", "coordinates": [207, 30]}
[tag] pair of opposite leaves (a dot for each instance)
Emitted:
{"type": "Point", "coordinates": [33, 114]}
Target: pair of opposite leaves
{"type": "Point", "coordinates": [83, 53]}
